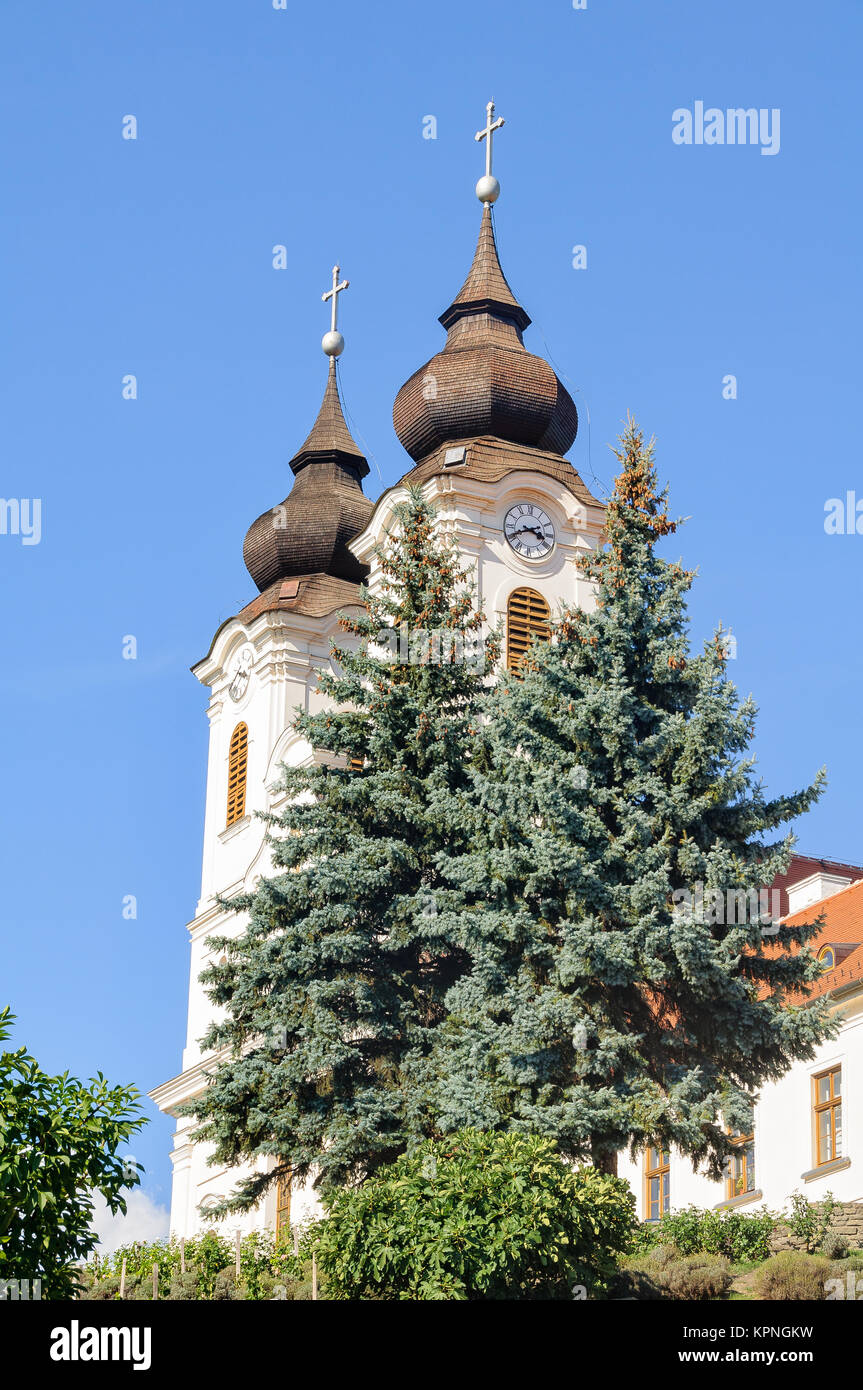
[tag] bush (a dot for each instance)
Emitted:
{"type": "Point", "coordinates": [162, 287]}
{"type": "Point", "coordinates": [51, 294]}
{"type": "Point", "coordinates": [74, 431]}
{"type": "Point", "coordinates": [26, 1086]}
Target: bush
{"type": "Point", "coordinates": [266, 1268]}
{"type": "Point", "coordinates": [475, 1216]}
{"type": "Point", "coordinates": [834, 1246]}
{"type": "Point", "coordinates": [225, 1285]}
{"type": "Point", "coordinates": [810, 1221]}
{"type": "Point", "coordinates": [665, 1273]}
{"type": "Point", "coordinates": [695, 1231]}
{"type": "Point", "coordinates": [697, 1277]}
{"type": "Point", "coordinates": [793, 1275]}
{"type": "Point", "coordinates": [184, 1287]}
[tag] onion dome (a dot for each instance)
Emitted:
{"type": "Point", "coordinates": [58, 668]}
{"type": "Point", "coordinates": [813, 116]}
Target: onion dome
{"type": "Point", "coordinates": [326, 507]}
{"type": "Point", "coordinates": [484, 381]}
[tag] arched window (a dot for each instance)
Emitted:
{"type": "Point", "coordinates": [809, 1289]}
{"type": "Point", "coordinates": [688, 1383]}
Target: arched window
{"type": "Point", "coordinates": [238, 757]}
{"type": "Point", "coordinates": [827, 958]}
{"type": "Point", "coordinates": [527, 616]}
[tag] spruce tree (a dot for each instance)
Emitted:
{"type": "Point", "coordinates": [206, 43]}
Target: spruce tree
{"type": "Point", "coordinates": [333, 991]}
{"type": "Point", "coordinates": [602, 1005]}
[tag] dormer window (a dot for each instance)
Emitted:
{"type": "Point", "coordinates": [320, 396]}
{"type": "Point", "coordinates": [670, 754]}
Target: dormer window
{"type": "Point", "coordinates": [826, 957]}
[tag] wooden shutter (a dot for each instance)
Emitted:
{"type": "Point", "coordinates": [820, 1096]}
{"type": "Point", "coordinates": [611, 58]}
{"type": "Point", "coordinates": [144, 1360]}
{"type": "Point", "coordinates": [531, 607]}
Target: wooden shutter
{"type": "Point", "coordinates": [527, 616]}
{"type": "Point", "coordinates": [238, 757]}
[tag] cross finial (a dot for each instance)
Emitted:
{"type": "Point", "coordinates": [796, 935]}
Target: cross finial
{"type": "Point", "coordinates": [333, 343]}
{"type": "Point", "coordinates": [488, 188]}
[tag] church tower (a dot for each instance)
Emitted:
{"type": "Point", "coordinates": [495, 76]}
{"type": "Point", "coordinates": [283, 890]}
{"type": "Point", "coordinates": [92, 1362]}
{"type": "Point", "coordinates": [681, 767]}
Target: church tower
{"type": "Point", "coordinates": [261, 665]}
{"type": "Point", "coordinates": [486, 425]}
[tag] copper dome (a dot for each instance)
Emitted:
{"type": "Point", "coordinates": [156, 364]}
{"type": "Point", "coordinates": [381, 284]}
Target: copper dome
{"type": "Point", "coordinates": [484, 381]}
{"type": "Point", "coordinates": [309, 532]}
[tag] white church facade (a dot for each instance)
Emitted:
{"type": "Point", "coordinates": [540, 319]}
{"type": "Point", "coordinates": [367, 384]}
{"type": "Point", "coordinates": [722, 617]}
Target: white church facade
{"type": "Point", "coordinates": [486, 427]}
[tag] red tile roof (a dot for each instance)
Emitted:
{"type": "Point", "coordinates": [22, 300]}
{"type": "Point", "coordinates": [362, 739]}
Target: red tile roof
{"type": "Point", "coordinates": [843, 926]}
{"type": "Point", "coordinates": [803, 866]}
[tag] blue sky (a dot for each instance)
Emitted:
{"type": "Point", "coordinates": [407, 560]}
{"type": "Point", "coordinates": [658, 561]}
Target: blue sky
{"type": "Point", "coordinates": [303, 127]}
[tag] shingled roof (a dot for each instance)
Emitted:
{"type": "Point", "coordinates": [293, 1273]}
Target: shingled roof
{"type": "Point", "coordinates": [308, 533]}
{"type": "Point", "coordinates": [489, 459]}
{"type": "Point", "coordinates": [330, 434]}
{"type": "Point", "coordinates": [486, 288]}
{"type": "Point", "coordinates": [484, 382]}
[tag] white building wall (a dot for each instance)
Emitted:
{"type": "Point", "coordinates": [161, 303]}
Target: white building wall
{"type": "Point", "coordinates": [288, 651]}
{"type": "Point", "coordinates": [784, 1136]}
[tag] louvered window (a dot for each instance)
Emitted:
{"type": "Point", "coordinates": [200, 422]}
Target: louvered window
{"type": "Point", "coordinates": [238, 757]}
{"type": "Point", "coordinates": [527, 616]}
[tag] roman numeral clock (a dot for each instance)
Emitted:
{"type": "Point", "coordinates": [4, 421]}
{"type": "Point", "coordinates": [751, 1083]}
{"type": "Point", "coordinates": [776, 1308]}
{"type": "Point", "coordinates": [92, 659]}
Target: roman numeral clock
{"type": "Point", "coordinates": [529, 531]}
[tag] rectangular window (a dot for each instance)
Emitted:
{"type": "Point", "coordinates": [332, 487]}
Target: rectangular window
{"type": "Point", "coordinates": [741, 1167]}
{"type": "Point", "coordinates": [827, 1109]}
{"type": "Point", "coordinates": [657, 1183]}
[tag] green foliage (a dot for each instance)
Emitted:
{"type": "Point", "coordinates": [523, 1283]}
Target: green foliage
{"type": "Point", "coordinates": [793, 1275]}
{"type": "Point", "coordinates": [696, 1277]}
{"type": "Point", "coordinates": [333, 995]}
{"type": "Point", "coordinates": [59, 1142]}
{"type": "Point", "coordinates": [268, 1270]}
{"type": "Point", "coordinates": [601, 1006]}
{"type": "Point", "coordinates": [477, 1216]}
{"type": "Point", "coordinates": [665, 1272]}
{"type": "Point", "coordinates": [695, 1231]}
{"type": "Point", "coordinates": [810, 1221]}
{"type": "Point", "coordinates": [834, 1246]}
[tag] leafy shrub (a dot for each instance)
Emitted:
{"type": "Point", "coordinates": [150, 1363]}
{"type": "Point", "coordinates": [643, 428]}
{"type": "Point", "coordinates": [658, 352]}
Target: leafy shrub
{"type": "Point", "coordinates": [810, 1221]}
{"type": "Point", "coordinates": [792, 1275]}
{"type": "Point", "coordinates": [695, 1231]}
{"type": "Point", "coordinates": [60, 1143]}
{"type": "Point", "coordinates": [267, 1270]}
{"type": "Point", "coordinates": [475, 1216]}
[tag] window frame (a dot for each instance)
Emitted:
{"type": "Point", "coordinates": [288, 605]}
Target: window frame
{"type": "Point", "coordinates": [657, 1173]}
{"type": "Point", "coordinates": [521, 628]}
{"type": "Point", "coordinates": [745, 1146]}
{"type": "Point", "coordinates": [238, 768]}
{"type": "Point", "coordinates": [829, 1106]}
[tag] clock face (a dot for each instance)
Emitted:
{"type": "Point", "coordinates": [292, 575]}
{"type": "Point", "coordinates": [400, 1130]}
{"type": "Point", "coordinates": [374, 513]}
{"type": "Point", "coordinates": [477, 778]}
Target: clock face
{"type": "Point", "coordinates": [243, 663]}
{"type": "Point", "coordinates": [529, 530]}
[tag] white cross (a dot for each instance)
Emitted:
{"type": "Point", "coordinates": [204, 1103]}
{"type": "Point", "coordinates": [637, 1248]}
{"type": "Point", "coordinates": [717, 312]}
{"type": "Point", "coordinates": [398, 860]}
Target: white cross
{"type": "Point", "coordinates": [487, 134]}
{"type": "Point", "coordinates": [333, 294]}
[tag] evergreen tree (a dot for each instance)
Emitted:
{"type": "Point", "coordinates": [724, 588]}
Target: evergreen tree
{"type": "Point", "coordinates": [333, 991]}
{"type": "Point", "coordinates": [603, 1006]}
